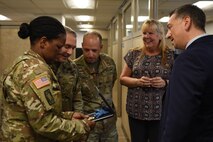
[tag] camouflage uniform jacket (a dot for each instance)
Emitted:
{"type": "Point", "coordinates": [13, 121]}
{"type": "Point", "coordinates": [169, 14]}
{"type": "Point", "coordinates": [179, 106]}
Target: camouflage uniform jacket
{"type": "Point", "coordinates": [103, 80]}
{"type": "Point", "coordinates": [68, 78]}
{"type": "Point", "coordinates": [32, 106]}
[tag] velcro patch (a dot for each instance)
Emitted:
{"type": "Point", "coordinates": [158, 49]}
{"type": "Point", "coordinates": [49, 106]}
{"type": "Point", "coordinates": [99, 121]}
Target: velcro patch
{"type": "Point", "coordinates": [49, 97]}
{"type": "Point", "coordinates": [41, 82]}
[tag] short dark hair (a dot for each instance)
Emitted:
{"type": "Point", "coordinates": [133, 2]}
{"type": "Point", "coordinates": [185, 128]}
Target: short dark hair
{"type": "Point", "coordinates": [46, 26]}
{"type": "Point", "coordinates": [93, 33]}
{"type": "Point", "coordinates": [195, 13]}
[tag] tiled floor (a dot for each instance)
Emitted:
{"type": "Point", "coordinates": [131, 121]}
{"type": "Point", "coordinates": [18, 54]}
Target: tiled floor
{"type": "Point", "coordinates": [121, 136]}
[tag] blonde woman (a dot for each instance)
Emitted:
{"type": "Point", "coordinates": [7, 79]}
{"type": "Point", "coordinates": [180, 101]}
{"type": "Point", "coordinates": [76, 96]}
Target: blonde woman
{"type": "Point", "coordinates": [145, 73]}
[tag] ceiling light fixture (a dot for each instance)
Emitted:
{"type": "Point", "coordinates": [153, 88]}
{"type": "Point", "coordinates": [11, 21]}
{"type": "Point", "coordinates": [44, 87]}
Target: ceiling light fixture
{"type": "Point", "coordinates": [85, 26]}
{"type": "Point", "coordinates": [129, 26]}
{"type": "Point", "coordinates": [164, 19]}
{"type": "Point", "coordinates": [78, 4]}
{"type": "Point", "coordinates": [85, 30]}
{"type": "Point", "coordinates": [204, 4]}
{"type": "Point", "coordinates": [84, 18]}
{"type": "Point", "coordinates": [142, 18]}
{"type": "Point", "coordinates": [4, 18]}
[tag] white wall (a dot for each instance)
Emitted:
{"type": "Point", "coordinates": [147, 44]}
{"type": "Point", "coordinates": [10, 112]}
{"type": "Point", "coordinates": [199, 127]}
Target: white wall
{"type": "Point", "coordinates": [209, 28]}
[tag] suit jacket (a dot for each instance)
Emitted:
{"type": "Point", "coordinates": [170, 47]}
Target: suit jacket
{"type": "Point", "coordinates": [188, 106]}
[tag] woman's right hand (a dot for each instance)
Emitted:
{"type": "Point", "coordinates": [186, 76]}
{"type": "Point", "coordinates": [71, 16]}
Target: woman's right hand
{"type": "Point", "coordinates": [144, 81]}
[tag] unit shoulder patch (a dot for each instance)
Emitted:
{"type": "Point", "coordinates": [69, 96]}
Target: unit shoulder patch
{"type": "Point", "coordinates": [49, 97]}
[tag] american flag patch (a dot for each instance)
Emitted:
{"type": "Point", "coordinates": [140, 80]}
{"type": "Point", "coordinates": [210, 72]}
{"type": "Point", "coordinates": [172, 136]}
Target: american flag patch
{"type": "Point", "coordinates": [41, 82]}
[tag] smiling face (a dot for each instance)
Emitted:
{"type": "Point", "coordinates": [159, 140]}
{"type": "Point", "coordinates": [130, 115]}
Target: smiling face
{"type": "Point", "coordinates": [151, 38]}
{"type": "Point", "coordinates": [67, 50]}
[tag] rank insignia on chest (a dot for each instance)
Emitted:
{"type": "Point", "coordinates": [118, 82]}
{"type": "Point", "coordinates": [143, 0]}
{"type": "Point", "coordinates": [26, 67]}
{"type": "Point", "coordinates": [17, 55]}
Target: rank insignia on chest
{"type": "Point", "coordinates": [41, 82]}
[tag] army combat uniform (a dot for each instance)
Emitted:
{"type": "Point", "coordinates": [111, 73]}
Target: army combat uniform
{"type": "Point", "coordinates": [103, 79]}
{"type": "Point", "coordinates": [32, 106]}
{"type": "Point", "coordinates": [68, 78]}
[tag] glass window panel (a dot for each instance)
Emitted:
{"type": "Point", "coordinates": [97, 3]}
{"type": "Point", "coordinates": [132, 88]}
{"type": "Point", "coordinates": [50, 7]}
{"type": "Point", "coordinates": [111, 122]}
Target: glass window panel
{"type": "Point", "coordinates": [116, 30]}
{"type": "Point", "coordinates": [143, 13]}
{"type": "Point", "coordinates": [128, 22]}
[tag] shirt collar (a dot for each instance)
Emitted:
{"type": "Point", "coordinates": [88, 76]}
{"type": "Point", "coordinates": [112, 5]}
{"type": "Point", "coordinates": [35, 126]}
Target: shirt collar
{"type": "Point", "coordinates": [195, 38]}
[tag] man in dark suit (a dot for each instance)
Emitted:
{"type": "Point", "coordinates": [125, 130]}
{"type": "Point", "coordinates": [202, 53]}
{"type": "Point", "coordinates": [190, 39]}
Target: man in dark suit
{"type": "Point", "coordinates": [188, 106]}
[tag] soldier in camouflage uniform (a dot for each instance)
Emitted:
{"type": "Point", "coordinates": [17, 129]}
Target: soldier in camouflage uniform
{"type": "Point", "coordinates": [32, 110]}
{"type": "Point", "coordinates": [67, 74]}
{"type": "Point", "coordinates": [98, 74]}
